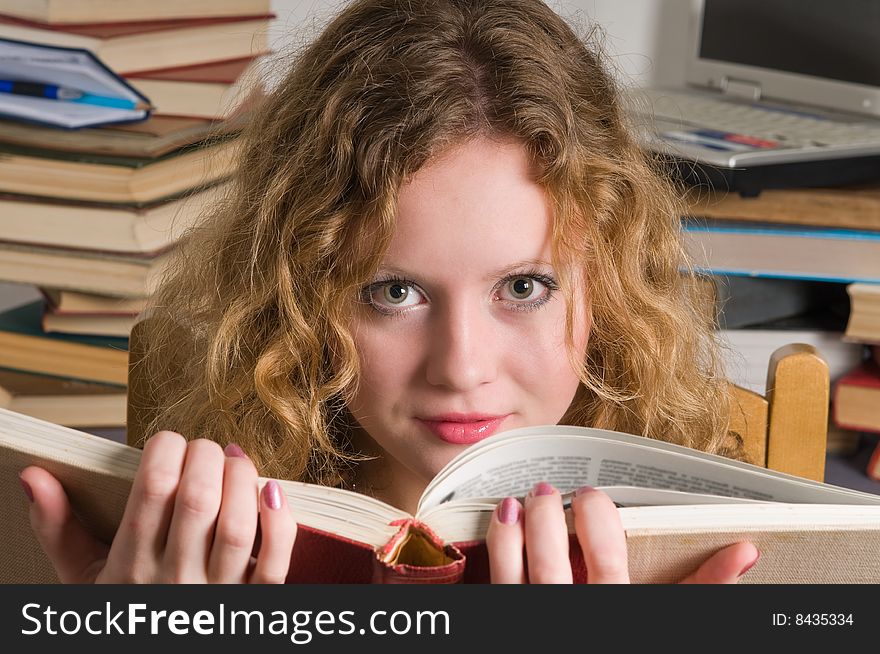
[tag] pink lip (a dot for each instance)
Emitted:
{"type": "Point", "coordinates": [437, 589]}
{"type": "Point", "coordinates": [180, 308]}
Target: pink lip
{"type": "Point", "coordinates": [463, 428]}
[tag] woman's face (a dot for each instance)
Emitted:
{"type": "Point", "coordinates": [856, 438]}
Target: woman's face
{"type": "Point", "coordinates": [461, 334]}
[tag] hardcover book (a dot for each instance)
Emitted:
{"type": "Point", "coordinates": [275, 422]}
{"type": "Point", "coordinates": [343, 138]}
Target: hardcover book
{"type": "Point", "coordinates": [111, 179]}
{"type": "Point", "coordinates": [71, 303]}
{"type": "Point", "coordinates": [87, 324]}
{"type": "Point", "coordinates": [154, 137]}
{"type": "Point", "coordinates": [787, 251]}
{"type": "Point", "coordinates": [857, 398]}
{"type": "Point", "coordinates": [128, 47]}
{"type": "Point", "coordinates": [841, 207]}
{"type": "Point", "coordinates": [24, 346]}
{"type": "Point", "coordinates": [61, 400]}
{"type": "Point", "coordinates": [123, 229]}
{"type": "Point", "coordinates": [863, 325]}
{"type": "Point", "coordinates": [213, 91]}
{"type": "Point", "coordinates": [82, 270]}
{"type": "Point", "coordinates": [678, 506]}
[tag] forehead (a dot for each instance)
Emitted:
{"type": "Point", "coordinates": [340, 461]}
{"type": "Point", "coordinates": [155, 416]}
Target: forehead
{"type": "Point", "coordinates": [475, 209]}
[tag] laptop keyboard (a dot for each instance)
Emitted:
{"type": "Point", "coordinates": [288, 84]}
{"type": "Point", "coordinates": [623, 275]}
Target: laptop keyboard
{"type": "Point", "coordinates": [766, 125]}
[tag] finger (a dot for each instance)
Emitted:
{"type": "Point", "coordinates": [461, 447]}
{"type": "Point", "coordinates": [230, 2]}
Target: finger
{"type": "Point", "coordinates": [137, 548]}
{"type": "Point", "coordinates": [278, 535]}
{"type": "Point", "coordinates": [75, 554]}
{"type": "Point", "coordinates": [196, 506]}
{"type": "Point", "coordinates": [726, 566]}
{"type": "Point", "coordinates": [601, 537]}
{"type": "Point", "coordinates": [504, 542]}
{"type": "Point", "coordinates": [237, 522]}
{"type": "Point", "coordinates": [546, 537]}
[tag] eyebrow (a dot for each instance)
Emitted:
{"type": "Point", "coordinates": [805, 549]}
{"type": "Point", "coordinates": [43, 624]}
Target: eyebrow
{"type": "Point", "coordinates": [501, 272]}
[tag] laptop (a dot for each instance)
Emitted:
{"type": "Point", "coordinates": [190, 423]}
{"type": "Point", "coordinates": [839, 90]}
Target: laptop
{"type": "Point", "coordinates": [780, 93]}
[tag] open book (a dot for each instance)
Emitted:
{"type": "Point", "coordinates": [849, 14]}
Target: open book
{"type": "Point", "coordinates": [32, 72]}
{"type": "Point", "coordinates": [678, 506]}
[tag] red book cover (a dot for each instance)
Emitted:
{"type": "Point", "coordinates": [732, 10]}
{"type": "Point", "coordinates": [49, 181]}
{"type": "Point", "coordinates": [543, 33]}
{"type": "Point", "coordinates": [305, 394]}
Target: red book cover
{"type": "Point", "coordinates": [865, 378]}
{"type": "Point", "coordinates": [322, 557]}
{"type": "Point", "coordinates": [218, 72]}
{"type": "Point", "coordinates": [866, 375]}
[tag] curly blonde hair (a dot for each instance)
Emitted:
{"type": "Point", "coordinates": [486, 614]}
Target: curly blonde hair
{"type": "Point", "coordinates": [249, 333]}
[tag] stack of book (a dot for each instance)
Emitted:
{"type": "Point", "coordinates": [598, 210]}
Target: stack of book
{"type": "Point", "coordinates": [90, 216]}
{"type": "Point", "coordinates": [798, 265]}
{"type": "Point", "coordinates": [830, 234]}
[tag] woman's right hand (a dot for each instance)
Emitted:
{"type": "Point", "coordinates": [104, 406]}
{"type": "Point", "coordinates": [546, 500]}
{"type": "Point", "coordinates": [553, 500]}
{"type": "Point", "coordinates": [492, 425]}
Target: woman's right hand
{"type": "Point", "coordinates": [540, 529]}
{"type": "Point", "coordinates": [191, 517]}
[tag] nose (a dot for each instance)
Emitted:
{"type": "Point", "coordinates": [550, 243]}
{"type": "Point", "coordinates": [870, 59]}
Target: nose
{"type": "Point", "coordinates": [465, 347]}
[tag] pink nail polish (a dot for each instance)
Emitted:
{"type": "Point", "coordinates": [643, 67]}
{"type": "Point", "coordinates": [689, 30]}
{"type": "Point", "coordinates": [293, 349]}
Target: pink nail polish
{"type": "Point", "coordinates": [234, 450]}
{"type": "Point", "coordinates": [508, 511]}
{"type": "Point", "coordinates": [27, 489]}
{"type": "Point", "coordinates": [583, 490]}
{"type": "Point", "coordinates": [272, 494]}
{"type": "Point", "coordinates": [750, 565]}
{"type": "Point", "coordinates": [543, 488]}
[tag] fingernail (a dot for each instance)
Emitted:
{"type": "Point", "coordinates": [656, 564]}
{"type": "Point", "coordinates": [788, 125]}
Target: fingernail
{"type": "Point", "coordinates": [272, 494]}
{"type": "Point", "coordinates": [583, 490]}
{"type": "Point", "coordinates": [543, 488]}
{"type": "Point", "coordinates": [234, 450]}
{"type": "Point", "coordinates": [750, 565]}
{"type": "Point", "coordinates": [27, 489]}
{"type": "Point", "coordinates": [508, 511]}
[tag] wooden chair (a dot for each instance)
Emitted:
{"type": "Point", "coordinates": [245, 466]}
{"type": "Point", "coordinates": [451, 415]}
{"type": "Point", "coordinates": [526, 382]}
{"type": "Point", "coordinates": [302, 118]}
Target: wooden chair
{"type": "Point", "coordinates": [785, 430]}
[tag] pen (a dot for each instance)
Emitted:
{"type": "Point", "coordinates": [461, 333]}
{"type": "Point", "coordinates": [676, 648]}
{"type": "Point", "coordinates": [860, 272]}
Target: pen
{"type": "Point", "coordinates": [65, 94]}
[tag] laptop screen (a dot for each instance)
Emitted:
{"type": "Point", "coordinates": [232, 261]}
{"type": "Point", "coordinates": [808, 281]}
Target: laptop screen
{"type": "Point", "coordinates": [834, 39]}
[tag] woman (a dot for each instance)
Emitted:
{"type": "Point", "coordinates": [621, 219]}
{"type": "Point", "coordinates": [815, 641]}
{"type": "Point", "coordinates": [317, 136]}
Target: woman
{"type": "Point", "coordinates": [440, 229]}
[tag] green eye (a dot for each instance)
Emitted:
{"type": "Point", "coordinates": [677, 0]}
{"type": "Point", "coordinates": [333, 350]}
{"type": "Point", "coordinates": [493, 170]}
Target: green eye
{"type": "Point", "coordinates": [395, 293]}
{"type": "Point", "coordinates": [521, 287]}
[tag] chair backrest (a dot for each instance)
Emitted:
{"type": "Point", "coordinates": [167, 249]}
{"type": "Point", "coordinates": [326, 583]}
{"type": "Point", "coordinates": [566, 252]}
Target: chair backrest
{"type": "Point", "coordinates": [787, 428]}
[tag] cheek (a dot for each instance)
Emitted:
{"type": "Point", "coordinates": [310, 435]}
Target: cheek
{"type": "Point", "coordinates": [543, 358]}
{"type": "Point", "coordinates": [386, 363]}
{"type": "Point", "coordinates": [560, 376]}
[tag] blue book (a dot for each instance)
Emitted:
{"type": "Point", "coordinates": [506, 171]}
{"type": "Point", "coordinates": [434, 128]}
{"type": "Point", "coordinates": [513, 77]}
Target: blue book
{"type": "Point", "coordinates": [64, 87]}
{"type": "Point", "coordinates": [756, 249]}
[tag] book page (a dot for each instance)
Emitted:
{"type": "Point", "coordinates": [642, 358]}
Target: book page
{"type": "Point", "coordinates": [98, 473]}
{"type": "Point", "coordinates": [570, 457]}
{"type": "Point", "coordinates": [346, 513]}
{"type": "Point", "coordinates": [469, 519]}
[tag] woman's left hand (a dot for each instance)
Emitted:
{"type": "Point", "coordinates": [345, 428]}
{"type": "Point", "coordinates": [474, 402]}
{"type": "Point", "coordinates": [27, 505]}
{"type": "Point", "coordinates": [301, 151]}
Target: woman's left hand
{"type": "Point", "coordinates": [539, 528]}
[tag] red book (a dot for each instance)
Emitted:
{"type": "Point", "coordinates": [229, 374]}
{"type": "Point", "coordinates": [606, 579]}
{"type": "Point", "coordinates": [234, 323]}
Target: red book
{"type": "Point", "coordinates": [857, 398]}
{"type": "Point", "coordinates": [216, 72]}
{"type": "Point", "coordinates": [812, 533]}
{"type": "Point", "coordinates": [151, 45]}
